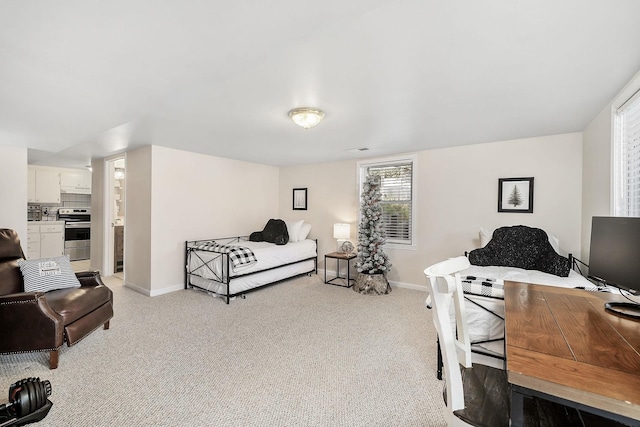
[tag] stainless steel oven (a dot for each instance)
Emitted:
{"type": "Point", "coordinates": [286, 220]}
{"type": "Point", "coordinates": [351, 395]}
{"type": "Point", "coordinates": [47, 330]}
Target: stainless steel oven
{"type": "Point", "coordinates": [77, 232]}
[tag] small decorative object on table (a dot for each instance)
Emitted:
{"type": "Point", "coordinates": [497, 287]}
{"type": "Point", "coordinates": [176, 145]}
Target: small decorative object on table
{"type": "Point", "coordinates": [347, 247]}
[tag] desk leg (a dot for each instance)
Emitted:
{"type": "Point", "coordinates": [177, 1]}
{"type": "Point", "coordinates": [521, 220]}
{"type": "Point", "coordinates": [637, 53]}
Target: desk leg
{"type": "Point", "coordinates": [517, 407]}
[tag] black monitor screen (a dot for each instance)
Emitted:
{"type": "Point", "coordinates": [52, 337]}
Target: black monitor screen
{"type": "Point", "coordinates": [614, 256]}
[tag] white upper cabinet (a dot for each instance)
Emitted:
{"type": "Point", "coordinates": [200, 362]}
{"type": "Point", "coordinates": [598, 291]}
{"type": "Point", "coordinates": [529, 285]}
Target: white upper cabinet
{"type": "Point", "coordinates": [43, 186]}
{"type": "Point", "coordinates": [31, 186]}
{"type": "Point", "coordinates": [75, 181]}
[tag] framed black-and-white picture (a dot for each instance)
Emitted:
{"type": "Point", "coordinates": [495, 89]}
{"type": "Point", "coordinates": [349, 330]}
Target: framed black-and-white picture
{"type": "Point", "coordinates": [299, 199]}
{"type": "Point", "coordinates": [515, 195]}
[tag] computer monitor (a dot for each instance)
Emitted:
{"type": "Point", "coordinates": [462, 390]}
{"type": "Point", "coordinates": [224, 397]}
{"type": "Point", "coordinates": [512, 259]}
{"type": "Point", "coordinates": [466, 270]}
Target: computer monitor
{"type": "Point", "coordinates": [614, 258]}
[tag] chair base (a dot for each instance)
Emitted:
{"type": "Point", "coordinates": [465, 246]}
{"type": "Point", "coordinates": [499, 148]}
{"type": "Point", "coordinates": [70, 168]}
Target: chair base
{"type": "Point", "coordinates": [54, 355]}
{"type": "Point", "coordinates": [53, 359]}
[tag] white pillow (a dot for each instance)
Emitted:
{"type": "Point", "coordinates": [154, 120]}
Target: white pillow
{"type": "Point", "coordinates": [48, 274]}
{"type": "Point", "coordinates": [485, 236]}
{"type": "Point", "coordinates": [304, 231]}
{"type": "Point", "coordinates": [555, 243]}
{"type": "Point", "coordinates": [293, 228]}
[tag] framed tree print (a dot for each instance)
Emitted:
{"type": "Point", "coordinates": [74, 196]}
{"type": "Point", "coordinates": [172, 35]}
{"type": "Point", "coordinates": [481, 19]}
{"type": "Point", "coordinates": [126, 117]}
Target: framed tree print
{"type": "Point", "coordinates": [515, 195]}
{"type": "Point", "coordinates": [299, 199]}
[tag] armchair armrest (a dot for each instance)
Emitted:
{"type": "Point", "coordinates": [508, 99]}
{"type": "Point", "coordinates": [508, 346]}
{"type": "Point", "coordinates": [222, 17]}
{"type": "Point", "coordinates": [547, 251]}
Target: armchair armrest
{"type": "Point", "coordinates": [89, 278]}
{"type": "Point", "coordinates": [20, 297]}
{"type": "Point", "coordinates": [92, 278]}
{"type": "Point", "coordinates": [28, 323]}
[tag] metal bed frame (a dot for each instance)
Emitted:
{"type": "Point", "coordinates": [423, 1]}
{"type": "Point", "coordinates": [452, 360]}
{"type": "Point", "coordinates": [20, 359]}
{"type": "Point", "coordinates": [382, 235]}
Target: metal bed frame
{"type": "Point", "coordinates": [575, 265]}
{"type": "Point", "coordinates": [225, 277]}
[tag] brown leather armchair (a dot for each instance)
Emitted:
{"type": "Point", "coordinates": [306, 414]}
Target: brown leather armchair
{"type": "Point", "coordinates": [44, 321]}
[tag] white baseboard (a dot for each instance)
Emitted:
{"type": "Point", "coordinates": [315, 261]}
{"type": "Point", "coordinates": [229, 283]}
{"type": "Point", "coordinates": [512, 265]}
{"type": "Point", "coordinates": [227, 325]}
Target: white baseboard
{"type": "Point", "coordinates": [415, 287]}
{"type": "Point", "coordinates": [166, 290]}
{"type": "Point", "coordinates": [422, 288]}
{"type": "Point", "coordinates": [153, 292]}
{"type": "Point", "coordinates": [330, 274]}
{"type": "Point", "coordinates": [138, 289]}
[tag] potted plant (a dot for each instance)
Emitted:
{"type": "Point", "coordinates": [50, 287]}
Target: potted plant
{"type": "Point", "coordinates": [373, 263]}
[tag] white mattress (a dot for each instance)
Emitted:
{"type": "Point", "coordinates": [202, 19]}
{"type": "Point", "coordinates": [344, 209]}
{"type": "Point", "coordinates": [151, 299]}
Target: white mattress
{"type": "Point", "coordinates": [268, 255]}
{"type": "Point", "coordinates": [483, 325]}
{"type": "Point", "coordinates": [245, 283]}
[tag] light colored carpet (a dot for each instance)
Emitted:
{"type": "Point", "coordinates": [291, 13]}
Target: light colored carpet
{"type": "Point", "coordinates": [300, 353]}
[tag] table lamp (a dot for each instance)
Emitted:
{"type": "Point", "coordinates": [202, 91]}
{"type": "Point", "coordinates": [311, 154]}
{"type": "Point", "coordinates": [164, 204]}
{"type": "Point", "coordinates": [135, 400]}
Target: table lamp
{"type": "Point", "coordinates": [342, 232]}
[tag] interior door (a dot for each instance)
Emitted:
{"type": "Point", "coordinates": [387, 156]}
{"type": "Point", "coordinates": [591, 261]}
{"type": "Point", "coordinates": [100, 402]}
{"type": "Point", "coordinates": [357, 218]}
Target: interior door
{"type": "Point", "coordinates": [114, 214]}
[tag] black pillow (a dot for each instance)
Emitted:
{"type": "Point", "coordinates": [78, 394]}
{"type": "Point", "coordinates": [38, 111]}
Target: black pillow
{"type": "Point", "coordinates": [522, 247]}
{"type": "Point", "coordinates": [274, 232]}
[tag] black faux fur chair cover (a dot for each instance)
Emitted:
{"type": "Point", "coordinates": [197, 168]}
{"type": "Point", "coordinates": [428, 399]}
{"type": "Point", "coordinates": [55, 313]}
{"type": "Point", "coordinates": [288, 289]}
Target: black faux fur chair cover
{"type": "Point", "coordinates": [274, 232]}
{"type": "Point", "coordinates": [522, 247]}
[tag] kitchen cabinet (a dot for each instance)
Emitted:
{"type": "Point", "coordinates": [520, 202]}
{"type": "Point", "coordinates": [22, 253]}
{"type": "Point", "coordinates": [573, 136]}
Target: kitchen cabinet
{"type": "Point", "coordinates": [43, 186]}
{"type": "Point", "coordinates": [33, 241]}
{"type": "Point", "coordinates": [45, 239]}
{"type": "Point", "coordinates": [75, 181]}
{"type": "Point", "coordinates": [31, 185]}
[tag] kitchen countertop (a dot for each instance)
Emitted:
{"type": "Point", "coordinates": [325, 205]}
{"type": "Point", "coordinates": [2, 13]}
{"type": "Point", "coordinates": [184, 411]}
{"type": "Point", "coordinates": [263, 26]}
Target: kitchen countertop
{"type": "Point", "coordinates": [45, 222]}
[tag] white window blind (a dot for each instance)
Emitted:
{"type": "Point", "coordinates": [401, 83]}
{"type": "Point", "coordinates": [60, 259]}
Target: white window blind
{"type": "Point", "coordinates": [627, 158]}
{"type": "Point", "coordinates": [396, 188]}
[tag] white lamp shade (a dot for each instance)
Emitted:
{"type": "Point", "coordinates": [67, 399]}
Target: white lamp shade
{"type": "Point", "coordinates": [341, 231]}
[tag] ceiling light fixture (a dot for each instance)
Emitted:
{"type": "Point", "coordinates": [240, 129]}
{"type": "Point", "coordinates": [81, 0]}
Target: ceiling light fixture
{"type": "Point", "coordinates": [306, 117]}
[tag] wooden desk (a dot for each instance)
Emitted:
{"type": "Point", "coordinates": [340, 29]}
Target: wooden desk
{"type": "Point", "coordinates": [561, 343]}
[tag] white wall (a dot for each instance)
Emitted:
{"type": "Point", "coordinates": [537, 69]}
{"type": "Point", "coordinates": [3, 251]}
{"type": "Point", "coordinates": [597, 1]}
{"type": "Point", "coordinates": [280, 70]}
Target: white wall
{"type": "Point", "coordinates": [332, 197]}
{"type": "Point", "coordinates": [457, 194]}
{"type": "Point", "coordinates": [13, 191]}
{"type": "Point", "coordinates": [139, 216]}
{"type": "Point", "coordinates": [97, 214]}
{"type": "Point", "coordinates": [173, 196]}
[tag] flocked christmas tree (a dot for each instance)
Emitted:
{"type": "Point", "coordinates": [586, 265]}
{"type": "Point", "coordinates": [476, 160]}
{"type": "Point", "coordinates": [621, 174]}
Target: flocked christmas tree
{"type": "Point", "coordinates": [371, 237]}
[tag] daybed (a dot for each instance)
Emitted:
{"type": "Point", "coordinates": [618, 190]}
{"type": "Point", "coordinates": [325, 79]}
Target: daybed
{"type": "Point", "coordinates": [520, 254]}
{"type": "Point", "coordinates": [230, 267]}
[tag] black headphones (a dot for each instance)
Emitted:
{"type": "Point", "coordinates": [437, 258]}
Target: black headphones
{"type": "Point", "coordinates": [28, 402]}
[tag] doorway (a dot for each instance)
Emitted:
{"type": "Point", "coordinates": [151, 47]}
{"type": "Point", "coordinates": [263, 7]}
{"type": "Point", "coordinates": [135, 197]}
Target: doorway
{"type": "Point", "coordinates": [115, 216]}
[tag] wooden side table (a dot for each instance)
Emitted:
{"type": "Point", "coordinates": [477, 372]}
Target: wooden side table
{"type": "Point", "coordinates": [339, 256]}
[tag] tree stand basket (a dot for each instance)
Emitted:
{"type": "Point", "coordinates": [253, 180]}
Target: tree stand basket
{"type": "Point", "coordinates": [372, 284]}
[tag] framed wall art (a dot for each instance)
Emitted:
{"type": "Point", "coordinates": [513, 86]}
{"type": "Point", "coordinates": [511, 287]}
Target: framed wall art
{"type": "Point", "coordinates": [299, 199]}
{"type": "Point", "coordinates": [515, 195]}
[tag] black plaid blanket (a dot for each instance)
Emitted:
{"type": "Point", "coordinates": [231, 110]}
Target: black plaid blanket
{"type": "Point", "coordinates": [482, 286]}
{"type": "Point", "coordinates": [239, 255]}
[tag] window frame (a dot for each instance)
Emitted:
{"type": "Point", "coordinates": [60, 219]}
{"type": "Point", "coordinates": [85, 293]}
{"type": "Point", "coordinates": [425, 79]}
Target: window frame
{"type": "Point", "coordinates": [362, 165]}
{"type": "Point", "coordinates": [619, 202]}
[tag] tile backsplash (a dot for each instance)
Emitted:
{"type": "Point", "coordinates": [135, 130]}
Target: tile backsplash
{"type": "Point", "coordinates": [50, 210]}
{"type": "Point", "coordinates": [76, 200]}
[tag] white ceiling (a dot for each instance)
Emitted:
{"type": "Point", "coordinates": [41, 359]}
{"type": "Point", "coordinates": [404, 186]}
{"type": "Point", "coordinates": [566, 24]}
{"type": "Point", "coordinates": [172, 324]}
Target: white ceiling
{"type": "Point", "coordinates": [82, 79]}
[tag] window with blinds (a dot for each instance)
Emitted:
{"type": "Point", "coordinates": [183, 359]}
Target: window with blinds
{"type": "Point", "coordinates": [627, 158]}
{"type": "Point", "coordinates": [396, 188]}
